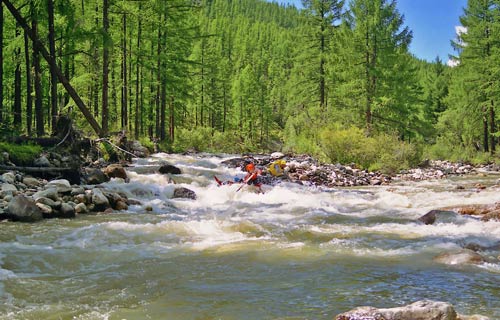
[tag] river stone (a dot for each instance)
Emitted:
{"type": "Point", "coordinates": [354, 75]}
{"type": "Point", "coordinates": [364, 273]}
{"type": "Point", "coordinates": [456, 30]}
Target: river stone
{"type": "Point", "coordinates": [46, 209]}
{"type": "Point", "coordinates": [429, 217]}
{"type": "Point", "coordinates": [169, 169]}
{"type": "Point", "coordinates": [50, 193]}
{"type": "Point", "coordinates": [120, 205]}
{"type": "Point", "coordinates": [99, 200]}
{"type": "Point", "coordinates": [184, 193]}
{"type": "Point", "coordinates": [42, 162]}
{"type": "Point", "coordinates": [461, 257]}
{"type": "Point", "coordinates": [24, 209]}
{"type": "Point", "coordinates": [31, 182]}
{"type": "Point", "coordinates": [138, 149]}
{"type": "Point", "coordinates": [116, 171]}
{"type": "Point", "coordinates": [77, 190]}
{"type": "Point", "coordinates": [81, 208]}
{"type": "Point", "coordinates": [8, 188]}
{"type": "Point", "coordinates": [420, 310]}
{"type": "Point", "coordinates": [492, 215]}
{"type": "Point", "coordinates": [46, 201]}
{"type": "Point", "coordinates": [62, 185]}
{"type": "Point", "coordinates": [9, 177]}
{"type": "Point", "coordinates": [95, 176]}
{"type": "Point", "coordinates": [66, 211]}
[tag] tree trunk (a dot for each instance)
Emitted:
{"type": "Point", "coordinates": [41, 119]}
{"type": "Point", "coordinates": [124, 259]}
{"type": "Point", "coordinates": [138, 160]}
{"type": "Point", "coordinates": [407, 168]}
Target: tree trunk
{"type": "Point", "coordinates": [105, 68]}
{"type": "Point", "coordinates": [492, 128]}
{"type": "Point", "coordinates": [129, 82]}
{"type": "Point", "coordinates": [94, 87]}
{"type": "Point", "coordinates": [485, 132]}
{"type": "Point", "coordinates": [163, 111]}
{"type": "Point", "coordinates": [37, 79]}
{"type": "Point", "coordinates": [224, 117]}
{"type": "Point", "coordinates": [202, 102]}
{"type": "Point", "coordinates": [18, 120]}
{"type": "Point", "coordinates": [29, 98]}
{"type": "Point", "coordinates": [114, 95]}
{"type": "Point", "coordinates": [53, 76]}
{"type": "Point", "coordinates": [36, 42]}
{"type": "Point", "coordinates": [138, 105]}
{"type": "Point", "coordinates": [124, 108]}
{"type": "Point", "coordinates": [322, 86]}
{"type": "Point", "coordinates": [171, 130]}
{"type": "Point", "coordinates": [158, 86]}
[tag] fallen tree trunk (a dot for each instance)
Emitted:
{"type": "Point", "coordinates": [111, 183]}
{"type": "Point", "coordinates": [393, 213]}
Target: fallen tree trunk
{"type": "Point", "coordinates": [70, 174]}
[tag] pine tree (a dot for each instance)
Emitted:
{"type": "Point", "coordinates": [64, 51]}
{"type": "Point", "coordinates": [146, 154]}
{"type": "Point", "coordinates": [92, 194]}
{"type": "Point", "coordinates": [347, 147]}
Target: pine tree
{"type": "Point", "coordinates": [479, 47]}
{"type": "Point", "coordinates": [380, 44]}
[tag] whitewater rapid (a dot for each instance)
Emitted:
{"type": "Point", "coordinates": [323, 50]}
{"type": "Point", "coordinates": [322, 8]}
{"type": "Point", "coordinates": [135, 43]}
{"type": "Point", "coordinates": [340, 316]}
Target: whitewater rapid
{"type": "Point", "coordinates": [295, 251]}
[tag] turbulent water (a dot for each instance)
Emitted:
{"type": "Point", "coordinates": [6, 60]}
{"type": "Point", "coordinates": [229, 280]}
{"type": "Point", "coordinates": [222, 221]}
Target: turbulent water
{"type": "Point", "coordinates": [295, 252]}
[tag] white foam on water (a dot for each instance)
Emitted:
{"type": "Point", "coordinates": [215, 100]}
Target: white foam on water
{"type": "Point", "coordinates": [4, 273]}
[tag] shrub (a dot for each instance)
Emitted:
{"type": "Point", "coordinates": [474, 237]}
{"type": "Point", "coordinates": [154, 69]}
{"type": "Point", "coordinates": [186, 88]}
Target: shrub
{"type": "Point", "coordinates": [381, 152]}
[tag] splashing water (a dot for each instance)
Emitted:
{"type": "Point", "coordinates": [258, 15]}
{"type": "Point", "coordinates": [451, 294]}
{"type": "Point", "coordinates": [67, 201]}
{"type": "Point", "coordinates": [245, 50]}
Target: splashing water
{"type": "Point", "coordinates": [294, 252]}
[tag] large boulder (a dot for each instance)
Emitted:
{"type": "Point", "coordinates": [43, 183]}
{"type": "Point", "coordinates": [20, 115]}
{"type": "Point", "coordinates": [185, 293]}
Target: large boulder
{"type": "Point", "coordinates": [99, 200]}
{"type": "Point", "coordinates": [95, 176]}
{"type": "Point", "coordinates": [116, 171]}
{"type": "Point", "coordinates": [169, 169]}
{"type": "Point", "coordinates": [62, 185]}
{"type": "Point", "coordinates": [184, 193]}
{"type": "Point", "coordinates": [24, 209]}
{"type": "Point", "coordinates": [420, 310]}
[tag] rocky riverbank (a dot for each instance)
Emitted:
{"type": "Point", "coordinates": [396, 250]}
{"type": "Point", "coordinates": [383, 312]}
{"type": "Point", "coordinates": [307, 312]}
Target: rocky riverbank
{"type": "Point", "coordinates": [306, 170]}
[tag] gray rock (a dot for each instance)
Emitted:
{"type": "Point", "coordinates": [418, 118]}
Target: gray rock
{"type": "Point", "coordinates": [8, 188]}
{"type": "Point", "coordinates": [42, 162]}
{"type": "Point", "coordinates": [66, 211]}
{"type": "Point", "coordinates": [9, 177]}
{"type": "Point", "coordinates": [95, 176]}
{"type": "Point", "coordinates": [24, 209]}
{"type": "Point", "coordinates": [31, 182]}
{"type": "Point", "coordinates": [421, 310]}
{"type": "Point", "coordinates": [99, 200]}
{"type": "Point", "coordinates": [81, 208]}
{"type": "Point", "coordinates": [62, 185]}
{"type": "Point", "coordinates": [184, 193]}
{"type": "Point", "coordinates": [46, 201]}
{"type": "Point", "coordinates": [50, 193]}
{"type": "Point", "coordinates": [77, 190]}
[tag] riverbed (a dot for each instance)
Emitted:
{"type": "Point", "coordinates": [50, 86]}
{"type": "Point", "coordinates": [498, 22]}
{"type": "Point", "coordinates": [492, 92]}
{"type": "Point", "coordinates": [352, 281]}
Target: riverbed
{"type": "Point", "coordinates": [294, 252]}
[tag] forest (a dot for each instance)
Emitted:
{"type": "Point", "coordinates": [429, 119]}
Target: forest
{"type": "Point", "coordinates": [334, 79]}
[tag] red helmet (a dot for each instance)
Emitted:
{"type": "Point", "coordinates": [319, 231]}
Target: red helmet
{"type": "Point", "coordinates": [250, 167]}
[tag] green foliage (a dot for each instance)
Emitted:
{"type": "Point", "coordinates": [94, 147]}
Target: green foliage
{"type": "Point", "coordinates": [379, 152]}
{"type": "Point", "coordinates": [252, 76]}
{"type": "Point", "coordinates": [21, 155]}
{"type": "Point", "coordinates": [204, 139]}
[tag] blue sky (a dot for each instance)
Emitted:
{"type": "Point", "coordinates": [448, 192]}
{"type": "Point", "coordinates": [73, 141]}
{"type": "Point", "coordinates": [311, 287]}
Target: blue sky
{"type": "Point", "coordinates": [432, 22]}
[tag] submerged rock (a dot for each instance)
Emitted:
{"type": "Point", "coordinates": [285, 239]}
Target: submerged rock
{"type": "Point", "coordinates": [461, 257]}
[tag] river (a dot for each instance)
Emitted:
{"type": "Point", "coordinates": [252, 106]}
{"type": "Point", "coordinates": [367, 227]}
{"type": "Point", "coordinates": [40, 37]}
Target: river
{"type": "Point", "coordinates": [295, 252]}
